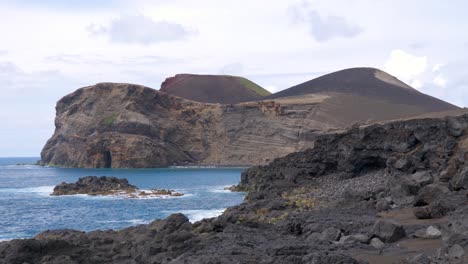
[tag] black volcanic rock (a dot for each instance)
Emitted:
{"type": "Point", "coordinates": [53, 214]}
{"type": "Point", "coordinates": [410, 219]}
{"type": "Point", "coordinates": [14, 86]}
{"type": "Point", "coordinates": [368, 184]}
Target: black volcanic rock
{"type": "Point", "coordinates": [298, 205]}
{"type": "Point", "coordinates": [94, 185]}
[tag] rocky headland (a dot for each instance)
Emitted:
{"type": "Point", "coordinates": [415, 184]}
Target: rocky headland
{"type": "Point", "coordinates": [131, 126]}
{"type": "Point", "coordinates": [105, 185]}
{"type": "Point", "coordinates": [385, 193]}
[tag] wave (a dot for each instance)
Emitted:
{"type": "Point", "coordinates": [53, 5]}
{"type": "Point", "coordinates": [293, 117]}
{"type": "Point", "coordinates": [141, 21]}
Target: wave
{"type": "Point", "coordinates": [40, 190]}
{"type": "Point", "coordinates": [130, 221]}
{"type": "Point", "coordinates": [197, 215]}
{"type": "Point", "coordinates": [220, 189]}
{"type": "Point", "coordinates": [21, 166]}
{"type": "Point", "coordinates": [123, 195]}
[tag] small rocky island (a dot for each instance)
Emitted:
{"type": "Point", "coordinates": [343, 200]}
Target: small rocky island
{"type": "Point", "coordinates": [105, 185]}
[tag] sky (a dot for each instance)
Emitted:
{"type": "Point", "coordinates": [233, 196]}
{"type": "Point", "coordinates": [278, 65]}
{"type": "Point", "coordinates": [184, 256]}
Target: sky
{"type": "Point", "coordinates": [50, 48]}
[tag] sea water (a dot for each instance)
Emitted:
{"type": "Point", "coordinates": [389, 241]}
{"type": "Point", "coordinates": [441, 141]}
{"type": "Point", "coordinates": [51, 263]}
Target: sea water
{"type": "Point", "coordinates": [26, 207]}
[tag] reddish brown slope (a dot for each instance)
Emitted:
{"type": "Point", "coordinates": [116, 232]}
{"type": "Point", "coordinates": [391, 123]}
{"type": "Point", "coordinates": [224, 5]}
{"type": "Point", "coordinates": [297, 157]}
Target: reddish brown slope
{"type": "Point", "coordinates": [221, 89]}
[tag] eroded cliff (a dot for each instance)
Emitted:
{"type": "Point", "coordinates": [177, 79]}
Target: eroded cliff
{"type": "Point", "coordinates": [125, 125]}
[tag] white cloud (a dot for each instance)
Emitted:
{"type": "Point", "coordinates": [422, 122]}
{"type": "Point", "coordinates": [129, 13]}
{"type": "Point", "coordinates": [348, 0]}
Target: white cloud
{"type": "Point", "coordinates": [141, 30]}
{"type": "Point", "coordinates": [235, 68]}
{"type": "Point", "coordinates": [437, 67]}
{"type": "Point", "coordinates": [272, 88]}
{"type": "Point", "coordinates": [439, 81]}
{"type": "Point", "coordinates": [405, 66]}
{"type": "Point", "coordinates": [323, 27]}
{"type": "Point", "coordinates": [416, 84]}
{"type": "Point", "coordinates": [417, 71]}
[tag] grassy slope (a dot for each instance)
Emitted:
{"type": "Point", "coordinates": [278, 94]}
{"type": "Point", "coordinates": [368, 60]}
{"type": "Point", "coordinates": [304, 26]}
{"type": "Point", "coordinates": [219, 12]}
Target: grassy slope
{"type": "Point", "coordinates": [253, 86]}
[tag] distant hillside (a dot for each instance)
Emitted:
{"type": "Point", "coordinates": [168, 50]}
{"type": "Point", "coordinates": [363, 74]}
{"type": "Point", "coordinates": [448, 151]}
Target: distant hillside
{"type": "Point", "coordinates": [362, 94]}
{"type": "Point", "coordinates": [221, 89]}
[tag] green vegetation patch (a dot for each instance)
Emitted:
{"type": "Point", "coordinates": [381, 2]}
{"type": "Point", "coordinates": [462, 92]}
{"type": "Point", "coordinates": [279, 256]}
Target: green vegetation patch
{"type": "Point", "coordinates": [253, 86]}
{"type": "Point", "coordinates": [301, 198]}
{"type": "Point", "coordinates": [108, 121]}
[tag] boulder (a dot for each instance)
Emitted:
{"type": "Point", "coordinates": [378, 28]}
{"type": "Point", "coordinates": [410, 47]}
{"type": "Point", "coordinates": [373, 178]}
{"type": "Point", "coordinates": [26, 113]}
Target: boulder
{"type": "Point", "coordinates": [421, 213]}
{"type": "Point", "coordinates": [377, 243]}
{"type": "Point", "coordinates": [388, 231]}
{"type": "Point", "coordinates": [331, 234]}
{"type": "Point", "coordinates": [359, 238]}
{"type": "Point", "coordinates": [436, 209]}
{"type": "Point", "coordinates": [460, 180]}
{"type": "Point", "coordinates": [382, 205]}
{"type": "Point", "coordinates": [456, 252]}
{"type": "Point", "coordinates": [430, 193]}
{"type": "Point", "coordinates": [429, 233]}
{"type": "Point", "coordinates": [416, 181]}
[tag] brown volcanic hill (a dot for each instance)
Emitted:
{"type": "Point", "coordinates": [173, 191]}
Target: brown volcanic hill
{"type": "Point", "coordinates": [126, 125]}
{"type": "Point", "coordinates": [364, 94]}
{"type": "Point", "coordinates": [223, 89]}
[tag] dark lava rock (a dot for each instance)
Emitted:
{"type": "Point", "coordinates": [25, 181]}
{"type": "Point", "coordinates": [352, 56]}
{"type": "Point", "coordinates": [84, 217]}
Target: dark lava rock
{"type": "Point", "coordinates": [94, 185]}
{"type": "Point", "coordinates": [293, 211]}
{"type": "Point", "coordinates": [436, 209]}
{"type": "Point", "coordinates": [388, 231]}
{"type": "Point", "coordinates": [327, 258]}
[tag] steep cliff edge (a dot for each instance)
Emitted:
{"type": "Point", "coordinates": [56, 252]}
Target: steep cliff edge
{"type": "Point", "coordinates": [125, 125]}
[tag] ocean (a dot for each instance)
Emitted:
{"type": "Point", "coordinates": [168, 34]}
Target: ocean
{"type": "Point", "coordinates": [26, 208]}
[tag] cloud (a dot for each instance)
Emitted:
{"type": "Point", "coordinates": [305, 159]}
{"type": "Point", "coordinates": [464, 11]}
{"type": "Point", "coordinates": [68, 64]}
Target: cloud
{"type": "Point", "coordinates": [323, 28]}
{"type": "Point", "coordinates": [70, 4]}
{"type": "Point", "coordinates": [235, 68]}
{"type": "Point", "coordinates": [437, 67]}
{"type": "Point", "coordinates": [406, 66]}
{"type": "Point", "coordinates": [418, 45]}
{"type": "Point", "coordinates": [139, 29]}
{"type": "Point", "coordinates": [439, 81]}
{"type": "Point", "coordinates": [75, 59]}
{"type": "Point", "coordinates": [3, 52]}
{"type": "Point", "coordinates": [27, 104]}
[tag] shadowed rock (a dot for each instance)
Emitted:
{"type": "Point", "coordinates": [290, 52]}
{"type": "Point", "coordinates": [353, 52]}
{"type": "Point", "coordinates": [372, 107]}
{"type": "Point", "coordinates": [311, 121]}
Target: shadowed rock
{"type": "Point", "coordinates": [93, 185]}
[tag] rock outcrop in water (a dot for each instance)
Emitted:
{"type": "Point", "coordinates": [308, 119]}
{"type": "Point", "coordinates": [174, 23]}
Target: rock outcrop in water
{"type": "Point", "coordinates": [104, 185]}
{"type": "Point", "coordinates": [131, 126]}
{"type": "Point", "coordinates": [94, 185]}
{"type": "Point", "coordinates": [350, 199]}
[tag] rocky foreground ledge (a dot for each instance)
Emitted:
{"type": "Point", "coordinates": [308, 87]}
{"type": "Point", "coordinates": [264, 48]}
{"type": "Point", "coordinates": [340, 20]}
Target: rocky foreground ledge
{"type": "Point", "coordinates": [105, 185]}
{"type": "Point", "coordinates": [391, 193]}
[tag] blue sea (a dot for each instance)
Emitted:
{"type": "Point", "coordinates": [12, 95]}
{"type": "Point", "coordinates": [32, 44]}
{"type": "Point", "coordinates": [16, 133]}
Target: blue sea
{"type": "Point", "coordinates": [26, 208]}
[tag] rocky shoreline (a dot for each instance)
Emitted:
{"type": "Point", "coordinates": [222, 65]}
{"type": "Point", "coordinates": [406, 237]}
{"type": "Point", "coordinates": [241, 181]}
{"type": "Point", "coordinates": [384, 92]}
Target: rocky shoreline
{"type": "Point", "coordinates": [387, 193]}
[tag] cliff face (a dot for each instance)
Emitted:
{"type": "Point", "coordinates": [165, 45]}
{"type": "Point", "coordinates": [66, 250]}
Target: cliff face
{"type": "Point", "coordinates": [399, 149]}
{"type": "Point", "coordinates": [124, 125]}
